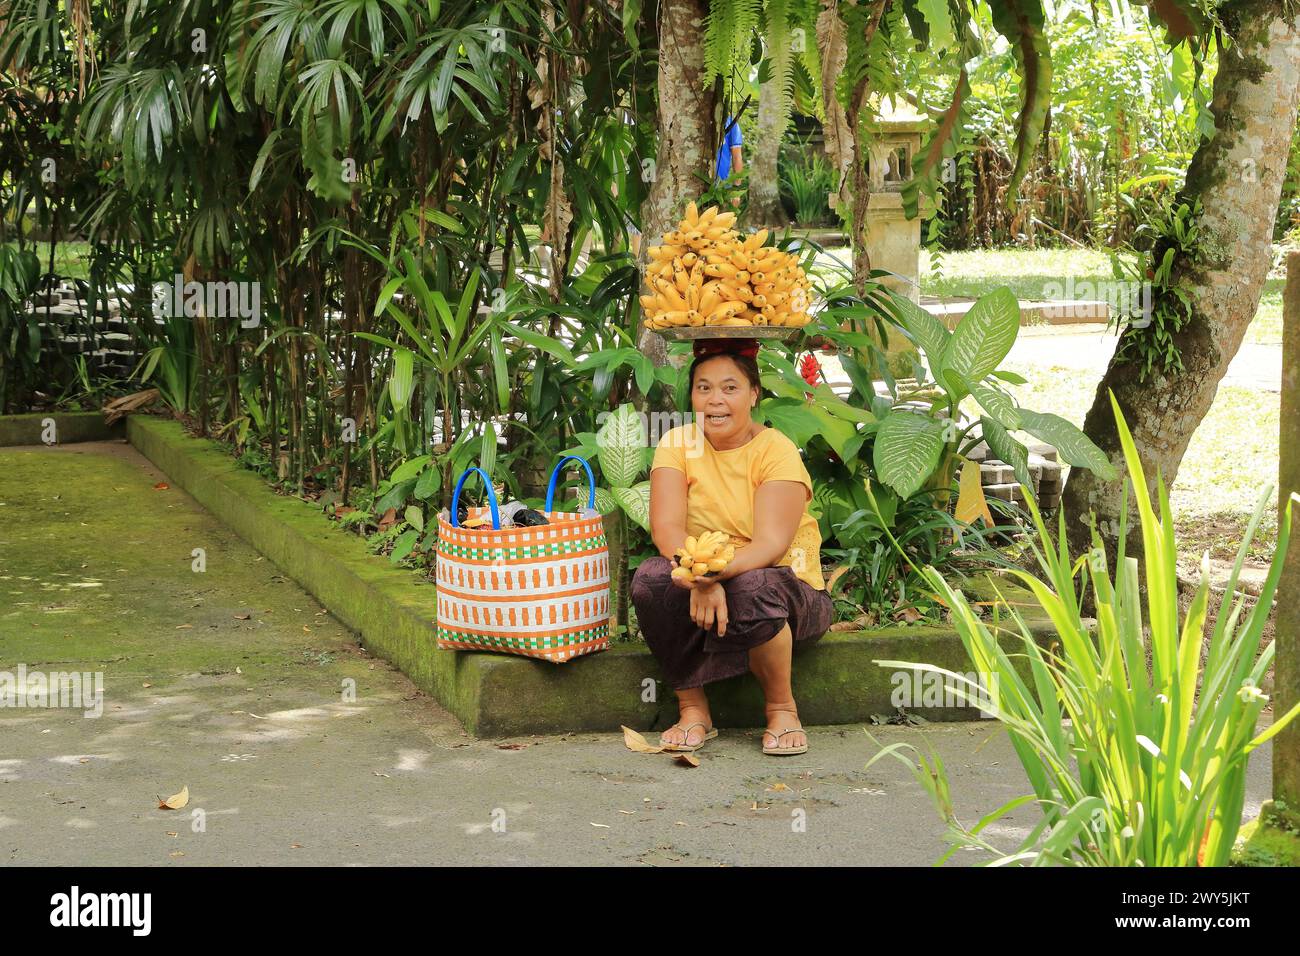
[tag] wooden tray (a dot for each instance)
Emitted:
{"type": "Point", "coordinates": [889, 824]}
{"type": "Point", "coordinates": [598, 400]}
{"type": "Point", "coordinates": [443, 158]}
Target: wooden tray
{"type": "Point", "coordinates": [684, 333]}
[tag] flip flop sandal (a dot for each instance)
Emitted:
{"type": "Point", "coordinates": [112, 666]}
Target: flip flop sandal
{"type": "Point", "coordinates": [784, 751]}
{"type": "Point", "coordinates": [709, 734]}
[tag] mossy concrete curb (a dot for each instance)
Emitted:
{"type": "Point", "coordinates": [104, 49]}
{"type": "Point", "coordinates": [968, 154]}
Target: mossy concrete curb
{"type": "Point", "coordinates": [1271, 839]}
{"type": "Point", "coordinates": [69, 427]}
{"type": "Point", "coordinates": [392, 610]}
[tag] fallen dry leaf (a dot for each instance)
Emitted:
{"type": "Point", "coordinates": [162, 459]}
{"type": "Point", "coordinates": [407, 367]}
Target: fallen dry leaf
{"type": "Point", "coordinates": [181, 627]}
{"type": "Point", "coordinates": [242, 617]}
{"type": "Point", "coordinates": [176, 853]}
{"type": "Point", "coordinates": [779, 787]}
{"type": "Point", "coordinates": [161, 486]}
{"type": "Point", "coordinates": [687, 758]}
{"type": "Point", "coordinates": [635, 742]}
{"type": "Point", "coordinates": [512, 746]}
{"type": "Point", "coordinates": [176, 800]}
{"type": "Point", "coordinates": [909, 614]}
{"type": "Point", "coordinates": [146, 684]}
{"type": "Point", "coordinates": [120, 407]}
{"type": "Point", "coordinates": [859, 623]}
{"type": "Point", "coordinates": [295, 846]}
{"type": "Point", "coordinates": [172, 833]}
{"type": "Point", "coordinates": [603, 826]}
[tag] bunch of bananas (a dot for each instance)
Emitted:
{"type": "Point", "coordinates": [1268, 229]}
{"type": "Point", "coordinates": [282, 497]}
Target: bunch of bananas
{"type": "Point", "coordinates": [705, 273]}
{"type": "Point", "coordinates": [707, 554]}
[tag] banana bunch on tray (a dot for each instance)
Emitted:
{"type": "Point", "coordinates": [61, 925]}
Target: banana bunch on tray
{"type": "Point", "coordinates": [707, 274]}
{"type": "Point", "coordinates": [707, 554]}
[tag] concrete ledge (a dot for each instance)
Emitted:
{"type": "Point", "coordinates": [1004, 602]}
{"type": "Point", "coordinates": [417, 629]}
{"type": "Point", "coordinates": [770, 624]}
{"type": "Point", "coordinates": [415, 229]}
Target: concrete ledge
{"type": "Point", "coordinates": [496, 695]}
{"type": "Point", "coordinates": [69, 427]}
{"type": "Point", "coordinates": [952, 309]}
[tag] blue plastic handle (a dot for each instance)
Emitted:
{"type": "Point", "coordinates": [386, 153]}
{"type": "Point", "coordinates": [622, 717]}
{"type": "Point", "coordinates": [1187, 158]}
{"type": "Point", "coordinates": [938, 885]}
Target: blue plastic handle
{"type": "Point", "coordinates": [555, 476]}
{"type": "Point", "coordinates": [492, 498]}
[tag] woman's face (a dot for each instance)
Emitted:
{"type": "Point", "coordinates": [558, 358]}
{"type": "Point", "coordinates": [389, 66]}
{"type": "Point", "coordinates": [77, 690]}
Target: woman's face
{"type": "Point", "coordinates": [721, 399]}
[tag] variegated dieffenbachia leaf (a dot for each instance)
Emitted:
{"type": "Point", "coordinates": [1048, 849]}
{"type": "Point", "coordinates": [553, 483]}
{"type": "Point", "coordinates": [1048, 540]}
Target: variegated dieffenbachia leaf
{"type": "Point", "coordinates": [605, 502]}
{"type": "Point", "coordinates": [984, 336]}
{"type": "Point", "coordinates": [636, 502]}
{"type": "Point", "coordinates": [908, 446]}
{"type": "Point", "coordinates": [926, 331]}
{"type": "Point", "coordinates": [1074, 447]}
{"type": "Point", "coordinates": [997, 404]}
{"type": "Point", "coordinates": [1005, 448]}
{"type": "Point", "coordinates": [620, 441]}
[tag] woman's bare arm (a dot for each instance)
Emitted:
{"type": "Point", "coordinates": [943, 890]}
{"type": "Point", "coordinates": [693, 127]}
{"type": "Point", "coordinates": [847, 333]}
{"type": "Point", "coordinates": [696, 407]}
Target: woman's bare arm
{"type": "Point", "coordinates": [667, 510]}
{"type": "Point", "coordinates": [778, 506]}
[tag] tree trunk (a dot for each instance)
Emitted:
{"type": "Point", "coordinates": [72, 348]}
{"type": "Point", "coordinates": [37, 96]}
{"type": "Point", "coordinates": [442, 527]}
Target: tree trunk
{"type": "Point", "coordinates": [765, 207]}
{"type": "Point", "coordinates": [688, 132]}
{"type": "Point", "coordinates": [847, 142]}
{"type": "Point", "coordinates": [1237, 175]}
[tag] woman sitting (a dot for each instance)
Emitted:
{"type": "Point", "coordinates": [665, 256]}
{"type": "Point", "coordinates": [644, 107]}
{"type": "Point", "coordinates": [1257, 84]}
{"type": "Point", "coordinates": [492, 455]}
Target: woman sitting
{"type": "Point", "coordinates": [727, 473]}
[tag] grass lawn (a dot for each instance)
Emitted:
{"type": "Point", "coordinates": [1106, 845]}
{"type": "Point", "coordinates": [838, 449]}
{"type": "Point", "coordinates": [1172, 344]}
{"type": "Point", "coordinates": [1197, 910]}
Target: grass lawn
{"type": "Point", "coordinates": [1223, 473]}
{"type": "Point", "coordinates": [71, 259]}
{"type": "Point", "coordinates": [1044, 273]}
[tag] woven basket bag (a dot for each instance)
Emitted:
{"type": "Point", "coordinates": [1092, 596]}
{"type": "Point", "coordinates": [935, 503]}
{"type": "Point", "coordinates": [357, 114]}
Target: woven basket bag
{"type": "Point", "coordinates": [538, 592]}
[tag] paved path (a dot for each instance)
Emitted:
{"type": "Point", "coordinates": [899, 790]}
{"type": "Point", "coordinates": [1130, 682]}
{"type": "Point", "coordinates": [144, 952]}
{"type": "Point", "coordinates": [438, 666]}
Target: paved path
{"type": "Point", "coordinates": [1090, 347]}
{"type": "Point", "coordinates": [230, 682]}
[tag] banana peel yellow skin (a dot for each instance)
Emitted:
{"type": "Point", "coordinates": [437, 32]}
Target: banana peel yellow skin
{"type": "Point", "coordinates": [706, 274]}
{"type": "Point", "coordinates": [701, 557]}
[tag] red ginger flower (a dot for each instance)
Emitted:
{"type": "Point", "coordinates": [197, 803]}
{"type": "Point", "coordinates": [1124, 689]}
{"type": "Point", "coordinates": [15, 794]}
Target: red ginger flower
{"type": "Point", "coordinates": [810, 369]}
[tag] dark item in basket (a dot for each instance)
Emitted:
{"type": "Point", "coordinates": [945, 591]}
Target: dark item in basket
{"type": "Point", "coordinates": [528, 518]}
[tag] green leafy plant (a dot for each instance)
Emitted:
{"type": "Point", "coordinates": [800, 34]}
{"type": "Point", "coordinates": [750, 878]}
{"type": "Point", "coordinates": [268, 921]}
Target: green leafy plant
{"type": "Point", "coordinates": [920, 442]}
{"type": "Point", "coordinates": [806, 182]}
{"type": "Point", "coordinates": [622, 448]}
{"type": "Point", "coordinates": [1172, 235]}
{"type": "Point", "coordinates": [412, 490]}
{"type": "Point", "coordinates": [20, 334]}
{"type": "Point", "coordinates": [1131, 764]}
{"type": "Point", "coordinates": [172, 361]}
{"type": "Point", "coordinates": [877, 547]}
{"type": "Point", "coordinates": [622, 445]}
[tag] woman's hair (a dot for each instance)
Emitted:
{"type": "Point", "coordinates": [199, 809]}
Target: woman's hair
{"type": "Point", "coordinates": [745, 363]}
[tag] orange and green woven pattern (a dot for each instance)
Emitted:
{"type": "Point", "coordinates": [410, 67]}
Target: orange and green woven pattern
{"type": "Point", "coordinates": [540, 591]}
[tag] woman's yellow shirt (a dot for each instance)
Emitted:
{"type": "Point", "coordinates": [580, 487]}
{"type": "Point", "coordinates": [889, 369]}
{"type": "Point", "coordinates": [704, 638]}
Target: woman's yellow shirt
{"type": "Point", "coordinates": [720, 487]}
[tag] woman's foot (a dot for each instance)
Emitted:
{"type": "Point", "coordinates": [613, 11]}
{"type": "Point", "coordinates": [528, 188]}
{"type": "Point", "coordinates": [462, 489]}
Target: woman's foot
{"type": "Point", "coordinates": [690, 729]}
{"type": "Point", "coordinates": [784, 730]}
